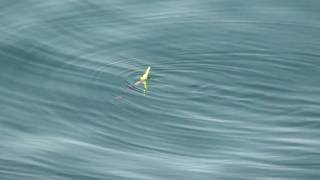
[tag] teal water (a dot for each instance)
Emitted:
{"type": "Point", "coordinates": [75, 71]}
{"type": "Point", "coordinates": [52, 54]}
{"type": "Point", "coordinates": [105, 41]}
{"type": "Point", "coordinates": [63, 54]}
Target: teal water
{"type": "Point", "coordinates": [234, 93]}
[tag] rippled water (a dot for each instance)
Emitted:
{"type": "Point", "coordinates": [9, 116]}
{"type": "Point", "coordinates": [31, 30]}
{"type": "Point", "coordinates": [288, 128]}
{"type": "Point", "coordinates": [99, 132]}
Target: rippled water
{"type": "Point", "coordinates": [234, 92]}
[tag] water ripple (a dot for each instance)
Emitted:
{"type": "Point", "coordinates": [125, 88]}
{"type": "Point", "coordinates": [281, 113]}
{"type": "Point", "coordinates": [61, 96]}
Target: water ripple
{"type": "Point", "coordinates": [233, 94]}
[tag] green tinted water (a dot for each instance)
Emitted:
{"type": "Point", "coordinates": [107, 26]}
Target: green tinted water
{"type": "Point", "coordinates": [234, 92]}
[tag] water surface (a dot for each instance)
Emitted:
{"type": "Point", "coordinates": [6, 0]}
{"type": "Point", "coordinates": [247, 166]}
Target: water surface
{"type": "Point", "coordinates": [234, 92]}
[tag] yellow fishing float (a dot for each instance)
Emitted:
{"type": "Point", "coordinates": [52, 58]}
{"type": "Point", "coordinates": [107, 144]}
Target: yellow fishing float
{"type": "Point", "coordinates": [144, 78]}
